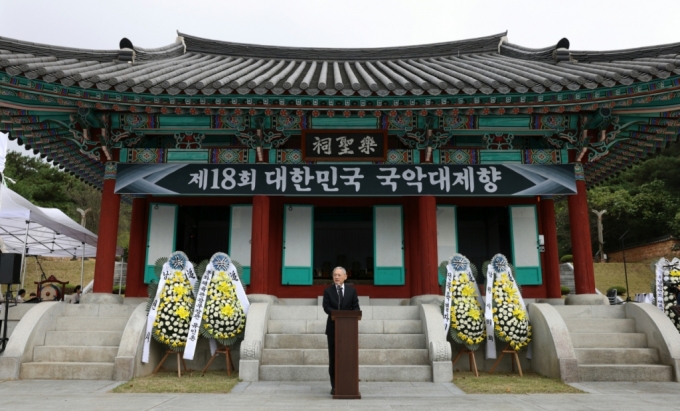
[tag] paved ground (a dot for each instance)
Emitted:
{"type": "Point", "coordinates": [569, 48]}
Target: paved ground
{"type": "Point", "coordinates": [95, 395]}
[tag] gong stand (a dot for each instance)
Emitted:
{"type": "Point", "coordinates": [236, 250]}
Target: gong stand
{"type": "Point", "coordinates": [227, 358]}
{"type": "Point", "coordinates": [514, 358]}
{"type": "Point", "coordinates": [471, 359]}
{"type": "Point", "coordinates": [179, 358]}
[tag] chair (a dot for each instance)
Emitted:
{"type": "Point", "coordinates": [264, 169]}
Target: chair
{"type": "Point", "coordinates": [611, 296]}
{"type": "Point", "coordinates": [326, 269]}
{"type": "Point", "coordinates": [356, 269]}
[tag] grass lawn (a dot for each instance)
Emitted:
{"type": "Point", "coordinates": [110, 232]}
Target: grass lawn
{"type": "Point", "coordinates": [213, 382]}
{"type": "Point", "coordinates": [640, 277]}
{"type": "Point", "coordinates": [64, 269]}
{"type": "Point", "coordinates": [503, 383]}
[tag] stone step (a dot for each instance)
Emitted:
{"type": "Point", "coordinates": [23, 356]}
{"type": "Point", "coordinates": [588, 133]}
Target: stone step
{"type": "Point", "coordinates": [600, 325]}
{"type": "Point", "coordinates": [625, 372]}
{"type": "Point", "coordinates": [366, 357]}
{"type": "Point", "coordinates": [83, 338]}
{"type": "Point", "coordinates": [67, 371]}
{"type": "Point", "coordinates": [50, 353]}
{"type": "Point", "coordinates": [365, 327]}
{"type": "Point", "coordinates": [617, 356]}
{"type": "Point", "coordinates": [99, 310]}
{"type": "Point", "coordinates": [609, 340]}
{"type": "Point", "coordinates": [301, 312]}
{"type": "Point", "coordinates": [91, 323]}
{"type": "Point", "coordinates": [591, 311]}
{"type": "Point", "coordinates": [366, 341]}
{"type": "Point", "coordinates": [386, 373]}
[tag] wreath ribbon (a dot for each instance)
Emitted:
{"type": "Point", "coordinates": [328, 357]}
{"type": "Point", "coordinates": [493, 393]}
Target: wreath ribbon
{"type": "Point", "coordinates": [452, 274]}
{"type": "Point", "coordinates": [488, 310]}
{"type": "Point", "coordinates": [662, 267]}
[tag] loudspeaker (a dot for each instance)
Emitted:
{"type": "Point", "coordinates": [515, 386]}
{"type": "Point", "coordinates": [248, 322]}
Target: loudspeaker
{"type": "Point", "coordinates": [10, 268]}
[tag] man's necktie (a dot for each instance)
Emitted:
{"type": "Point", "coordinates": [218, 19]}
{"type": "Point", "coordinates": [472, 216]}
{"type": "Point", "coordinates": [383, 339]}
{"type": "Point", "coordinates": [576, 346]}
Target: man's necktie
{"type": "Point", "coordinates": [340, 295]}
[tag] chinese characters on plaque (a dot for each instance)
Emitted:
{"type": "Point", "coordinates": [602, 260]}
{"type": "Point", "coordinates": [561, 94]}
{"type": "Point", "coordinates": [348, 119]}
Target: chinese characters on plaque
{"type": "Point", "coordinates": [346, 145]}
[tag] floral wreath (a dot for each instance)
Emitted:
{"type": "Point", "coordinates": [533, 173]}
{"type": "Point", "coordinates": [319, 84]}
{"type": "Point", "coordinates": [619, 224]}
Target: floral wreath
{"type": "Point", "coordinates": [510, 317]}
{"type": "Point", "coordinates": [223, 318]}
{"type": "Point", "coordinates": [464, 302]}
{"type": "Point", "coordinates": [667, 278]}
{"type": "Point", "coordinates": [175, 302]}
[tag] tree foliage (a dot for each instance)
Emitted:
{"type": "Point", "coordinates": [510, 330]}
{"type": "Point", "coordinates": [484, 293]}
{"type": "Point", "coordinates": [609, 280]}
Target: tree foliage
{"type": "Point", "coordinates": [642, 200]}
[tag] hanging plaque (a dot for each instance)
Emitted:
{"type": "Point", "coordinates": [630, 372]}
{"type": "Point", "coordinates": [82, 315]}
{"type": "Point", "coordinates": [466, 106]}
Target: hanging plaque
{"type": "Point", "coordinates": [346, 179]}
{"type": "Point", "coordinates": [344, 145]}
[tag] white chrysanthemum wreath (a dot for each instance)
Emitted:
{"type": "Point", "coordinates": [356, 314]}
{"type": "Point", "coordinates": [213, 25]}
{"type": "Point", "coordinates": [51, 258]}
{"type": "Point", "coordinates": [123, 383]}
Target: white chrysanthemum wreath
{"type": "Point", "coordinates": [463, 304]}
{"type": "Point", "coordinates": [172, 303]}
{"type": "Point", "coordinates": [221, 305]}
{"type": "Point", "coordinates": [667, 284]}
{"type": "Point", "coordinates": [223, 316]}
{"type": "Point", "coordinates": [510, 317]}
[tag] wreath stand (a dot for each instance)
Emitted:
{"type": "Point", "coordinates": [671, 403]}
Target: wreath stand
{"type": "Point", "coordinates": [471, 356]}
{"type": "Point", "coordinates": [514, 358]}
{"type": "Point", "coordinates": [179, 358]}
{"type": "Point", "coordinates": [227, 358]}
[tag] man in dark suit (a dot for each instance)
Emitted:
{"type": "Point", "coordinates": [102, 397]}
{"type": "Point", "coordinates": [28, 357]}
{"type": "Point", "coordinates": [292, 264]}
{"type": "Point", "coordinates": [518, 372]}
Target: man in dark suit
{"type": "Point", "coordinates": [338, 296]}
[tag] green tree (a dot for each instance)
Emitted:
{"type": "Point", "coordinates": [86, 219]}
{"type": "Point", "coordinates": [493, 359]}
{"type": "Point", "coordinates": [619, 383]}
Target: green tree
{"type": "Point", "coordinates": [643, 200]}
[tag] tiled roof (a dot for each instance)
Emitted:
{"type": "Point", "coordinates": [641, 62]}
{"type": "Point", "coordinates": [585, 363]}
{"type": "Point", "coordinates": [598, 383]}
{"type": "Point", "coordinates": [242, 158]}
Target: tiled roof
{"type": "Point", "coordinates": [193, 65]}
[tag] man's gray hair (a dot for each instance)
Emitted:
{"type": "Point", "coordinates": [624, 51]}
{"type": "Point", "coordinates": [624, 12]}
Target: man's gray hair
{"type": "Point", "coordinates": [341, 269]}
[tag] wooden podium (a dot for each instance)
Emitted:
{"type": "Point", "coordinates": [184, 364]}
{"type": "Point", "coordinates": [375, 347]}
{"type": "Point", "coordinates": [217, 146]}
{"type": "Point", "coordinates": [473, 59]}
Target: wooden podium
{"type": "Point", "coordinates": [346, 354]}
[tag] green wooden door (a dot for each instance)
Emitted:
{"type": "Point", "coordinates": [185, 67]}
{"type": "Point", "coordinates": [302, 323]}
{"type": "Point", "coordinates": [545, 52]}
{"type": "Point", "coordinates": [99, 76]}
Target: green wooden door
{"type": "Point", "coordinates": [447, 235]}
{"type": "Point", "coordinates": [389, 245]}
{"type": "Point", "coordinates": [298, 244]}
{"type": "Point", "coordinates": [240, 234]}
{"type": "Point", "coordinates": [524, 236]}
{"type": "Point", "coordinates": [161, 236]}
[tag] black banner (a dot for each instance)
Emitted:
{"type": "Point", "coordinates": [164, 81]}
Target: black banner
{"type": "Point", "coordinates": [346, 180]}
{"type": "Point", "coordinates": [344, 145]}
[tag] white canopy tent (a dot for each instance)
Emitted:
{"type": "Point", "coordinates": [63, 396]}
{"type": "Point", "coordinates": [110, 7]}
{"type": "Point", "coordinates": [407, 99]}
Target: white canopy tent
{"type": "Point", "coordinates": [35, 231]}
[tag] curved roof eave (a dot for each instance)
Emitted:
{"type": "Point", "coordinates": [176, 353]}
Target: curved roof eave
{"type": "Point", "coordinates": [476, 45]}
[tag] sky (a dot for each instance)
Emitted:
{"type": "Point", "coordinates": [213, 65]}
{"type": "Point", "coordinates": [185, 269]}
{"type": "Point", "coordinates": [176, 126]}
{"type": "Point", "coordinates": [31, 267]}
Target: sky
{"type": "Point", "coordinates": [588, 24]}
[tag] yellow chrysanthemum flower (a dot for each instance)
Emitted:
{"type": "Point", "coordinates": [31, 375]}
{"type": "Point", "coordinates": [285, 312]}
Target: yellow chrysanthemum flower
{"type": "Point", "coordinates": [182, 313]}
{"type": "Point", "coordinates": [223, 287]}
{"type": "Point", "coordinates": [474, 313]}
{"type": "Point", "coordinates": [227, 311]}
{"type": "Point", "coordinates": [468, 290]}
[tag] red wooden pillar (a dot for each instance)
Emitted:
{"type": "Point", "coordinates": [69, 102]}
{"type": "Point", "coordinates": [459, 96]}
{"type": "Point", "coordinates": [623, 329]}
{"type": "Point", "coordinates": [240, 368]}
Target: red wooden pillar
{"type": "Point", "coordinates": [134, 285]}
{"type": "Point", "coordinates": [108, 233]}
{"type": "Point", "coordinates": [259, 251]}
{"type": "Point", "coordinates": [427, 233]}
{"type": "Point", "coordinates": [551, 268]}
{"type": "Point", "coordinates": [579, 220]}
{"type": "Point", "coordinates": [275, 243]}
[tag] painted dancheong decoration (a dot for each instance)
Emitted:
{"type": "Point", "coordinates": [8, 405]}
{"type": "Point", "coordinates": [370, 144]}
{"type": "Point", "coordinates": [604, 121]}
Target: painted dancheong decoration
{"type": "Point", "coordinates": [171, 305]}
{"type": "Point", "coordinates": [505, 312]}
{"type": "Point", "coordinates": [667, 285]}
{"type": "Point", "coordinates": [463, 313]}
{"type": "Point", "coordinates": [221, 306]}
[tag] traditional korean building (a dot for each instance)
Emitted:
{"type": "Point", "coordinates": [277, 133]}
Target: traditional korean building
{"type": "Point", "coordinates": [384, 161]}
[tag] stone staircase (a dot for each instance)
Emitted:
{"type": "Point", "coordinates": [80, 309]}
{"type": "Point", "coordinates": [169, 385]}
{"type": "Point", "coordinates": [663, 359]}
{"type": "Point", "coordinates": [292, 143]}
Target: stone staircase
{"type": "Point", "coordinates": [608, 346]}
{"type": "Point", "coordinates": [392, 346]}
{"type": "Point", "coordinates": [83, 344]}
